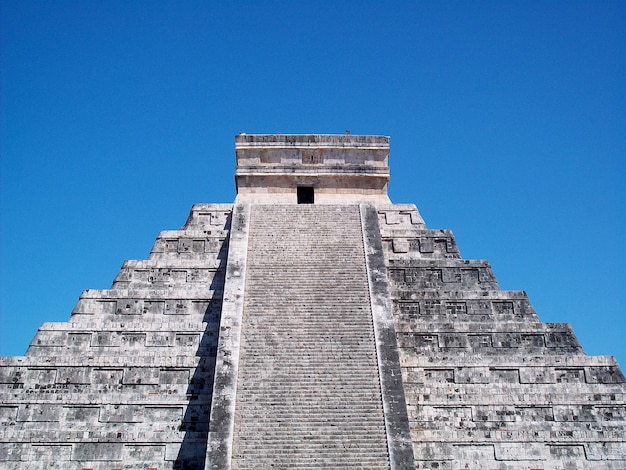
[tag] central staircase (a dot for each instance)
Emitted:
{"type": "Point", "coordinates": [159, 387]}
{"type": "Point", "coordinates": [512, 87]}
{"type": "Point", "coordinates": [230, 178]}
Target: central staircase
{"type": "Point", "coordinates": [308, 393]}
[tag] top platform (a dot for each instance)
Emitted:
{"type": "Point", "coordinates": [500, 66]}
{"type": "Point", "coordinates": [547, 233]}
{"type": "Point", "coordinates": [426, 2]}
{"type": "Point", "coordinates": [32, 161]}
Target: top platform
{"type": "Point", "coordinates": [312, 168]}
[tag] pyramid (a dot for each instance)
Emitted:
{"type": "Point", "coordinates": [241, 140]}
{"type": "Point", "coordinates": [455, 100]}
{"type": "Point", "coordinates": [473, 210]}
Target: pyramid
{"type": "Point", "coordinates": [311, 324]}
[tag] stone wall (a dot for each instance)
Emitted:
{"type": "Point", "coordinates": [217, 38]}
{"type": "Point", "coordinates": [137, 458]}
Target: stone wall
{"type": "Point", "coordinates": [340, 168]}
{"type": "Point", "coordinates": [127, 381]}
{"type": "Point", "coordinates": [487, 384]}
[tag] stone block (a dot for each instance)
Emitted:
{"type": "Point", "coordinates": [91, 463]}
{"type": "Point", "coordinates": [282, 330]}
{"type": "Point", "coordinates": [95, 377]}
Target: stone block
{"type": "Point", "coordinates": [411, 309]}
{"type": "Point", "coordinates": [97, 451]}
{"type": "Point", "coordinates": [50, 338]}
{"type": "Point", "coordinates": [453, 415]}
{"type": "Point", "coordinates": [439, 375]}
{"type": "Point", "coordinates": [81, 415]}
{"type": "Point", "coordinates": [220, 219]}
{"type": "Point", "coordinates": [159, 339]}
{"type": "Point", "coordinates": [172, 451]}
{"type": "Point", "coordinates": [503, 307]}
{"type": "Point", "coordinates": [413, 375]}
{"type": "Point", "coordinates": [400, 245]}
{"type": "Point", "coordinates": [129, 307]}
{"type": "Point", "coordinates": [94, 307]}
{"type": "Point", "coordinates": [480, 307]}
{"type": "Point", "coordinates": [432, 450]}
{"type": "Point", "coordinates": [174, 376]}
{"type": "Point", "coordinates": [130, 341]}
{"type": "Point", "coordinates": [397, 275]}
{"type": "Point", "coordinates": [139, 307]}
{"type": "Point", "coordinates": [176, 307]}
{"type": "Point", "coordinates": [493, 413]}
{"type": "Point", "coordinates": [438, 464]}
{"type": "Point", "coordinates": [426, 245]}
{"type": "Point", "coordinates": [187, 340]}
{"type": "Point", "coordinates": [121, 414]}
{"type": "Point", "coordinates": [163, 414]}
{"type": "Point", "coordinates": [535, 413]}
{"type": "Point", "coordinates": [143, 453]}
{"type": "Point", "coordinates": [473, 276]}
{"type": "Point", "coordinates": [473, 455]}
{"type": "Point", "coordinates": [611, 413]}
{"type": "Point", "coordinates": [472, 375]}
{"type": "Point", "coordinates": [80, 341]}
{"type": "Point", "coordinates": [569, 375]}
{"type": "Point", "coordinates": [604, 375]}
{"type": "Point", "coordinates": [563, 340]}
{"type": "Point", "coordinates": [165, 245]}
{"type": "Point", "coordinates": [200, 307]}
{"type": "Point", "coordinates": [501, 375]}
{"type": "Point", "coordinates": [423, 341]}
{"type": "Point", "coordinates": [537, 375]}
{"type": "Point", "coordinates": [442, 247]}
{"type": "Point", "coordinates": [213, 245]}
{"type": "Point", "coordinates": [141, 375]}
{"type": "Point", "coordinates": [566, 452]}
{"type": "Point", "coordinates": [8, 414]}
{"type": "Point", "coordinates": [39, 412]}
{"type": "Point", "coordinates": [456, 307]}
{"type": "Point", "coordinates": [416, 218]}
{"type": "Point", "coordinates": [106, 339]}
{"type": "Point", "coordinates": [479, 342]}
{"type": "Point", "coordinates": [574, 413]}
{"type": "Point", "coordinates": [204, 276]}
{"type": "Point", "coordinates": [11, 375]}
{"type": "Point", "coordinates": [506, 340]}
{"type": "Point", "coordinates": [40, 376]}
{"type": "Point", "coordinates": [433, 307]}
{"type": "Point", "coordinates": [521, 451]}
{"type": "Point", "coordinates": [12, 452]}
{"type": "Point", "coordinates": [107, 376]}
{"type": "Point", "coordinates": [532, 340]}
{"type": "Point", "coordinates": [73, 375]}
{"type": "Point", "coordinates": [185, 245]}
{"type": "Point", "coordinates": [453, 340]}
{"type": "Point", "coordinates": [49, 453]}
{"type": "Point", "coordinates": [392, 218]}
{"type": "Point", "coordinates": [606, 450]}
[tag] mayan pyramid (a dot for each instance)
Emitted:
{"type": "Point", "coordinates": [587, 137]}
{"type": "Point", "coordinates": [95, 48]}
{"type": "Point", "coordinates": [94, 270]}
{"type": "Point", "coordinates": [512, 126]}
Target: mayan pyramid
{"type": "Point", "coordinates": [311, 324]}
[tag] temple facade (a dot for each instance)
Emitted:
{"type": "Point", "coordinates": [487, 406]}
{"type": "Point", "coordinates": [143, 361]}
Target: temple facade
{"type": "Point", "coordinates": [310, 324]}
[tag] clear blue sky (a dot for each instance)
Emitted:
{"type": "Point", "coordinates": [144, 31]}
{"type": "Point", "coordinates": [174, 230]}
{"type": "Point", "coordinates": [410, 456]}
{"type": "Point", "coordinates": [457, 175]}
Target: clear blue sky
{"type": "Point", "coordinates": [507, 124]}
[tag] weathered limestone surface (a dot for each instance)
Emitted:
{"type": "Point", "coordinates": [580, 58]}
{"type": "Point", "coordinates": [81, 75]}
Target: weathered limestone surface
{"type": "Point", "coordinates": [308, 389]}
{"type": "Point", "coordinates": [341, 168]}
{"type": "Point", "coordinates": [126, 382]}
{"type": "Point", "coordinates": [342, 334]}
{"type": "Point", "coordinates": [487, 384]}
{"type": "Point", "coordinates": [222, 418]}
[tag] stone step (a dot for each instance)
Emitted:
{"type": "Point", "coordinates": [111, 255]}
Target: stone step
{"type": "Point", "coordinates": [308, 368]}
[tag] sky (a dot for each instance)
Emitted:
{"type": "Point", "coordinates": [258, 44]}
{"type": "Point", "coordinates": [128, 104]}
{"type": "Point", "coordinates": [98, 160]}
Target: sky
{"type": "Point", "coordinates": [507, 122]}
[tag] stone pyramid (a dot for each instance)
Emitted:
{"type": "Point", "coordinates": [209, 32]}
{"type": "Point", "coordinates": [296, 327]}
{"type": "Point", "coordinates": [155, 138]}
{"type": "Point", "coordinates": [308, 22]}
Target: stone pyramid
{"type": "Point", "coordinates": [312, 324]}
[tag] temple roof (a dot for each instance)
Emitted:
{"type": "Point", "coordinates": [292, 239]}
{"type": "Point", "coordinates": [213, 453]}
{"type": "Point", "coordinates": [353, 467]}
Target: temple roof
{"type": "Point", "coordinates": [340, 168]}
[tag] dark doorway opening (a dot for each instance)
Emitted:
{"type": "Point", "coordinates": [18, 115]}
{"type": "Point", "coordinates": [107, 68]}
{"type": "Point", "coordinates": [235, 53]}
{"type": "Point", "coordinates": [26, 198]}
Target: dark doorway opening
{"type": "Point", "coordinates": [305, 195]}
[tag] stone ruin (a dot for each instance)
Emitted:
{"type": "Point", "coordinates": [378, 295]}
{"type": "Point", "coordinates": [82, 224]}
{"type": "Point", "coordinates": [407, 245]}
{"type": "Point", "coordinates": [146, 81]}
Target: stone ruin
{"type": "Point", "coordinates": [311, 324]}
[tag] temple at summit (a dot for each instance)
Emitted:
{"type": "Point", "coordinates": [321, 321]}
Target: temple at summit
{"type": "Point", "coordinates": [310, 324]}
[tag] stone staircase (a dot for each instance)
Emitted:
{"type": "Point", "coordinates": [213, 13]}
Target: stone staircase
{"type": "Point", "coordinates": [308, 393]}
{"type": "Point", "coordinates": [258, 336]}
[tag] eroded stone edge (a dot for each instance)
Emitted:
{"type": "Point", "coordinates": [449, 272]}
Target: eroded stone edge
{"type": "Point", "coordinates": [394, 404]}
{"type": "Point", "coordinates": [222, 418]}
